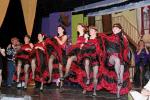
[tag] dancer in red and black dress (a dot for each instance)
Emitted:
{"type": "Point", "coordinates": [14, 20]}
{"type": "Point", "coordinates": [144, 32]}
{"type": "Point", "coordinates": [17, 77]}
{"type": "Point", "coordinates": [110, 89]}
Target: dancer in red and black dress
{"type": "Point", "coordinates": [116, 79]}
{"type": "Point", "coordinates": [58, 53]}
{"type": "Point", "coordinates": [23, 61]}
{"type": "Point", "coordinates": [73, 53]}
{"type": "Point", "coordinates": [53, 50]}
{"type": "Point", "coordinates": [89, 57]}
{"type": "Point", "coordinates": [41, 71]}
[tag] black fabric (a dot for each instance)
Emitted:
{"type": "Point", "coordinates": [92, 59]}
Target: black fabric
{"type": "Point", "coordinates": [23, 60]}
{"type": "Point", "coordinates": [42, 60]}
{"type": "Point", "coordinates": [90, 49]}
{"type": "Point", "coordinates": [74, 52]}
{"type": "Point", "coordinates": [145, 75]}
{"type": "Point", "coordinates": [112, 47]}
{"type": "Point", "coordinates": [120, 34]}
{"type": "Point", "coordinates": [89, 52]}
{"type": "Point", "coordinates": [100, 43]}
{"type": "Point", "coordinates": [64, 57]}
{"type": "Point", "coordinates": [50, 49]}
{"type": "Point", "coordinates": [22, 53]}
{"type": "Point", "coordinates": [112, 81]}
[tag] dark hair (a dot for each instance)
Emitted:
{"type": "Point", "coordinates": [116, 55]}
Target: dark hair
{"type": "Point", "coordinates": [28, 36]}
{"type": "Point", "coordinates": [118, 25]}
{"type": "Point", "coordinates": [62, 28]}
{"type": "Point", "coordinates": [43, 34]}
{"type": "Point", "coordinates": [120, 34]}
{"type": "Point", "coordinates": [121, 39]}
{"type": "Point", "coordinates": [14, 38]}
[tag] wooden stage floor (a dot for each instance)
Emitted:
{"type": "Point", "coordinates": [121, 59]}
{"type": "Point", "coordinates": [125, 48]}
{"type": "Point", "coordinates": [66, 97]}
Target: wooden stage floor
{"type": "Point", "coordinates": [54, 93]}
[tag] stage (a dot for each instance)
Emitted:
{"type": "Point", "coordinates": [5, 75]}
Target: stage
{"type": "Point", "coordinates": [54, 93]}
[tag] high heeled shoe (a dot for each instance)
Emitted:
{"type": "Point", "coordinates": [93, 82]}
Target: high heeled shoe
{"type": "Point", "coordinates": [41, 89]}
{"type": "Point", "coordinates": [94, 94]}
{"type": "Point", "coordinates": [49, 81]}
{"type": "Point", "coordinates": [17, 80]}
{"type": "Point", "coordinates": [18, 85]}
{"type": "Point", "coordinates": [65, 76]}
{"type": "Point", "coordinates": [84, 91]}
{"type": "Point", "coordinates": [88, 82]}
{"type": "Point", "coordinates": [25, 87]}
{"type": "Point", "coordinates": [62, 78]}
{"type": "Point", "coordinates": [58, 82]}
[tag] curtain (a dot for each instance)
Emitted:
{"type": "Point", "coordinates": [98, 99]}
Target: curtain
{"type": "Point", "coordinates": [29, 11]}
{"type": "Point", "coordinates": [3, 9]}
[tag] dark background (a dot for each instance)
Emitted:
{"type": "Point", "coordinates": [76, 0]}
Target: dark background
{"type": "Point", "coordinates": [14, 25]}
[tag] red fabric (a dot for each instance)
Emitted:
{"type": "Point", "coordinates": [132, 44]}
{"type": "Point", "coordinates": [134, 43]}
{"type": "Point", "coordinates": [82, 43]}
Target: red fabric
{"type": "Point", "coordinates": [58, 50]}
{"type": "Point", "coordinates": [24, 49]}
{"type": "Point", "coordinates": [111, 74]}
{"type": "Point", "coordinates": [58, 53]}
{"type": "Point", "coordinates": [81, 74]}
{"type": "Point", "coordinates": [45, 74]}
{"type": "Point", "coordinates": [123, 55]}
{"type": "Point", "coordinates": [26, 46]}
{"type": "Point", "coordinates": [80, 40]}
{"type": "Point", "coordinates": [126, 49]}
{"type": "Point", "coordinates": [112, 86]}
{"type": "Point", "coordinates": [63, 46]}
{"type": "Point", "coordinates": [22, 57]}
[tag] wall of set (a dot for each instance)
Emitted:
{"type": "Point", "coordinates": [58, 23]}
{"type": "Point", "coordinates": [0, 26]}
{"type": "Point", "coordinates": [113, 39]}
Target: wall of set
{"type": "Point", "coordinates": [130, 15]}
{"type": "Point", "coordinates": [79, 18]}
{"type": "Point", "coordinates": [98, 23]}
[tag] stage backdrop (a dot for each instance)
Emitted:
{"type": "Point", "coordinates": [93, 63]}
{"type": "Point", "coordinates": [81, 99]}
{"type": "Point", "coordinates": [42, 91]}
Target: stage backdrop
{"type": "Point", "coordinates": [77, 18]}
{"type": "Point", "coordinates": [45, 25]}
{"type": "Point", "coordinates": [49, 24]}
